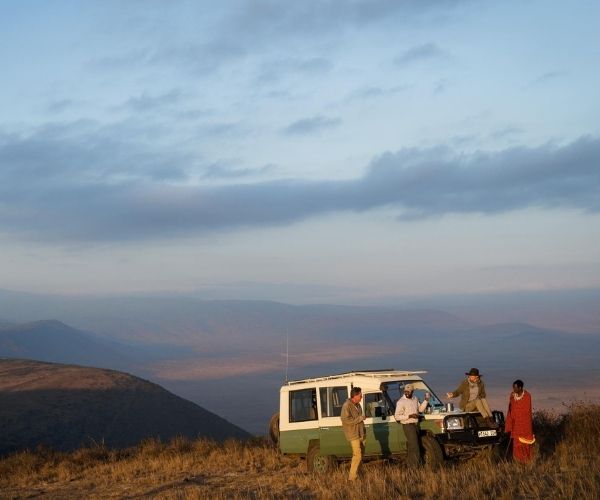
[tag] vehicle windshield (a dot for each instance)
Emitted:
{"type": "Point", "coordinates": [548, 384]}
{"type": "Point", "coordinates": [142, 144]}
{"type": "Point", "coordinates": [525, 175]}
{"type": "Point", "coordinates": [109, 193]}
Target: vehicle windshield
{"type": "Point", "coordinates": [395, 391]}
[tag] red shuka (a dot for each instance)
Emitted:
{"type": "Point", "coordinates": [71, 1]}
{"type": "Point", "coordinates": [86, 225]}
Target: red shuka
{"type": "Point", "coordinates": [519, 422]}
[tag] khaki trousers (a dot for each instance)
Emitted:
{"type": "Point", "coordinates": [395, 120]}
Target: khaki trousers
{"type": "Point", "coordinates": [481, 405]}
{"type": "Point", "coordinates": [358, 448]}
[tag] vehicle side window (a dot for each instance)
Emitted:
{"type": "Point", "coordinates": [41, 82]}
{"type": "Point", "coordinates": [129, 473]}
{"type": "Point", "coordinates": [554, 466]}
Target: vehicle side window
{"type": "Point", "coordinates": [303, 405]}
{"type": "Point", "coordinates": [332, 399]}
{"type": "Point", "coordinates": [373, 403]}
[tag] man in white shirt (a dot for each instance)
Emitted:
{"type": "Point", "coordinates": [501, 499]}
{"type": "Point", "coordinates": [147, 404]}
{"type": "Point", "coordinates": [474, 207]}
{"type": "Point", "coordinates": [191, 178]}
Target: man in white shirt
{"type": "Point", "coordinates": [407, 413]}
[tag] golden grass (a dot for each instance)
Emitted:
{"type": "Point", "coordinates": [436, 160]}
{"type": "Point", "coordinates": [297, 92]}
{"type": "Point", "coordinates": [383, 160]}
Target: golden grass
{"type": "Point", "coordinates": [567, 465]}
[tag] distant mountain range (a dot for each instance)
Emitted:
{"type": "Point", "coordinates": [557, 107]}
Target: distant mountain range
{"type": "Point", "coordinates": [53, 341]}
{"type": "Point", "coordinates": [203, 349]}
{"type": "Point", "coordinates": [67, 406]}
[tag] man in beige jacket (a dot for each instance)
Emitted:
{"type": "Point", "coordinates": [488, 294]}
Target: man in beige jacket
{"type": "Point", "coordinates": [354, 429]}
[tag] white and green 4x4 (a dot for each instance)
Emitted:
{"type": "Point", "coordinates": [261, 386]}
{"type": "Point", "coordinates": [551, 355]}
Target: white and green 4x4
{"type": "Point", "coordinates": [308, 422]}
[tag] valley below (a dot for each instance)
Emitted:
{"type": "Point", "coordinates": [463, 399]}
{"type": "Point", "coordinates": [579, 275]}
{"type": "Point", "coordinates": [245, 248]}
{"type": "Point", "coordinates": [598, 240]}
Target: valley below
{"type": "Point", "coordinates": [231, 357]}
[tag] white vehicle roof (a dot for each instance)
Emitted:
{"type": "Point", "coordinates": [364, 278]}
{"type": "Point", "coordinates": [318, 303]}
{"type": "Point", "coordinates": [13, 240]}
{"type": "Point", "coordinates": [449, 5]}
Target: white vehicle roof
{"type": "Point", "coordinates": [367, 376]}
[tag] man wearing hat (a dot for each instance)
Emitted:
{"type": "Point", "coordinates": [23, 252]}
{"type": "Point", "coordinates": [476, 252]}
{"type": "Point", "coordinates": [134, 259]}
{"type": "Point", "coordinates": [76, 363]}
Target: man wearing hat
{"type": "Point", "coordinates": [472, 394]}
{"type": "Point", "coordinates": [407, 413]}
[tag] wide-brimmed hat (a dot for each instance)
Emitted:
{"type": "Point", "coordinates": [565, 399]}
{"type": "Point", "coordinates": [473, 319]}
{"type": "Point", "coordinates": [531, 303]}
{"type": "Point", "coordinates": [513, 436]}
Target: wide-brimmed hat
{"type": "Point", "coordinates": [473, 371]}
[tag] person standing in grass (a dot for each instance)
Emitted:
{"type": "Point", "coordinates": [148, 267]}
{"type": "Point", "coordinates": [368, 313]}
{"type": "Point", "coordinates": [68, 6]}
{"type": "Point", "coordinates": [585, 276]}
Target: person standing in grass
{"type": "Point", "coordinates": [472, 394]}
{"type": "Point", "coordinates": [519, 423]}
{"type": "Point", "coordinates": [354, 429]}
{"type": "Point", "coordinates": [407, 413]}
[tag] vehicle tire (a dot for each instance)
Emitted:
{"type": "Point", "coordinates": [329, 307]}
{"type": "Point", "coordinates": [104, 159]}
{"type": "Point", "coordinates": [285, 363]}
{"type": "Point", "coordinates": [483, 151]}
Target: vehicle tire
{"type": "Point", "coordinates": [434, 455]}
{"type": "Point", "coordinates": [273, 430]}
{"type": "Point", "coordinates": [317, 463]}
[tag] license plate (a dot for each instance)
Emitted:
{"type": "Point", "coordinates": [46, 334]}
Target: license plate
{"type": "Point", "coordinates": [489, 433]}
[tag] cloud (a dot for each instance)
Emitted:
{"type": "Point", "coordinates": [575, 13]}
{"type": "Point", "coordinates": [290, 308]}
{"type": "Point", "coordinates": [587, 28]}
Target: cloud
{"type": "Point", "coordinates": [508, 132]}
{"type": "Point", "coordinates": [311, 125]}
{"type": "Point", "coordinates": [550, 76]}
{"type": "Point", "coordinates": [199, 58]}
{"type": "Point", "coordinates": [220, 129]}
{"type": "Point", "coordinates": [148, 103]}
{"type": "Point", "coordinates": [232, 32]}
{"type": "Point", "coordinates": [427, 51]}
{"type": "Point", "coordinates": [273, 71]}
{"type": "Point", "coordinates": [223, 171]}
{"type": "Point", "coordinates": [83, 152]}
{"type": "Point", "coordinates": [76, 184]}
{"type": "Point", "coordinates": [60, 105]}
{"type": "Point", "coordinates": [372, 92]}
{"type": "Point", "coordinates": [267, 20]}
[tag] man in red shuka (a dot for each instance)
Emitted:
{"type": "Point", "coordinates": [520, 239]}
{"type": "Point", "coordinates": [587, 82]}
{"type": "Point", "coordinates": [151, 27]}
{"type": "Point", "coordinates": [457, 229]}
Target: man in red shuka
{"type": "Point", "coordinates": [519, 423]}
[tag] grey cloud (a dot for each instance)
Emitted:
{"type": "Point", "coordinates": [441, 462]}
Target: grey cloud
{"type": "Point", "coordinates": [311, 125]}
{"type": "Point", "coordinates": [548, 77]}
{"type": "Point", "coordinates": [60, 105]}
{"type": "Point", "coordinates": [508, 132]}
{"type": "Point", "coordinates": [195, 58]}
{"type": "Point", "coordinates": [194, 114]}
{"type": "Point", "coordinates": [200, 59]}
{"type": "Point", "coordinates": [427, 51]}
{"type": "Point", "coordinates": [148, 103]}
{"type": "Point", "coordinates": [123, 61]}
{"type": "Point", "coordinates": [220, 129]}
{"type": "Point", "coordinates": [46, 197]}
{"type": "Point", "coordinates": [266, 20]}
{"type": "Point", "coordinates": [440, 86]}
{"type": "Point", "coordinates": [224, 171]}
{"type": "Point", "coordinates": [230, 32]}
{"type": "Point", "coordinates": [273, 71]}
{"type": "Point", "coordinates": [374, 92]}
{"type": "Point", "coordinates": [81, 153]}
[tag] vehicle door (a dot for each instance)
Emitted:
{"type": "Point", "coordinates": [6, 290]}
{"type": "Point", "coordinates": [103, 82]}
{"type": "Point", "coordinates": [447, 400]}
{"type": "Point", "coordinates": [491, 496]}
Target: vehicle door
{"type": "Point", "coordinates": [298, 420]}
{"type": "Point", "coordinates": [332, 439]}
{"type": "Point", "coordinates": [384, 435]}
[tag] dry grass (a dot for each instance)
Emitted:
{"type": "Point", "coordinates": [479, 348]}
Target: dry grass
{"type": "Point", "coordinates": [566, 466]}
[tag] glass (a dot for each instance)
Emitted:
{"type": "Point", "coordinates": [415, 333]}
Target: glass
{"type": "Point", "coordinates": [332, 399]}
{"type": "Point", "coordinates": [396, 390]}
{"type": "Point", "coordinates": [303, 405]}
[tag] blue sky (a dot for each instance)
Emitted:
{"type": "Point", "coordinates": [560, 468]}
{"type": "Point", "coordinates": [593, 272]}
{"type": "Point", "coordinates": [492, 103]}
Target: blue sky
{"type": "Point", "coordinates": [347, 149]}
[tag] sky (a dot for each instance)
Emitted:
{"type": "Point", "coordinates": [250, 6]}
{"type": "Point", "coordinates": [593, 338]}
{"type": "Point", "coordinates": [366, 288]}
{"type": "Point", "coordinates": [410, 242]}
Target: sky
{"type": "Point", "coordinates": [329, 149]}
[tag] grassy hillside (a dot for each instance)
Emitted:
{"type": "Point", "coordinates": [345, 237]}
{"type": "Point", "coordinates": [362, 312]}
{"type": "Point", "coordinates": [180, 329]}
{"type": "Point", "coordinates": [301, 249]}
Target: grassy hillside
{"type": "Point", "coordinates": [566, 466]}
{"type": "Point", "coordinates": [66, 406]}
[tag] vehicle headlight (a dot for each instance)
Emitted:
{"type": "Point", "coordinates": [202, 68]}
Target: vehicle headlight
{"type": "Point", "coordinates": [454, 423]}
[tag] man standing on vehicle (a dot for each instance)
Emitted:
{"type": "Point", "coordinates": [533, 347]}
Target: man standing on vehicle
{"type": "Point", "coordinates": [354, 429]}
{"type": "Point", "coordinates": [407, 413]}
{"type": "Point", "coordinates": [519, 423]}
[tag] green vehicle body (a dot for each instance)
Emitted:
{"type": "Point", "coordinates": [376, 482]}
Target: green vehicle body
{"type": "Point", "coordinates": [308, 423]}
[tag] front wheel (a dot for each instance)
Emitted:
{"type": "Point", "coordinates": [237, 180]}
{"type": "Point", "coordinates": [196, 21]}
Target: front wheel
{"type": "Point", "coordinates": [434, 455]}
{"type": "Point", "coordinates": [315, 462]}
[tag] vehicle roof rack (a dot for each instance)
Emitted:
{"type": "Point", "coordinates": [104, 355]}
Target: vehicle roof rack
{"type": "Point", "coordinates": [367, 373]}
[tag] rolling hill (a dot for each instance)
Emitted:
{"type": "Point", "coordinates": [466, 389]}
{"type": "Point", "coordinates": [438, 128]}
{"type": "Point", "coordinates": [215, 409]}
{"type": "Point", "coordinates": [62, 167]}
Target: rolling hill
{"type": "Point", "coordinates": [67, 406]}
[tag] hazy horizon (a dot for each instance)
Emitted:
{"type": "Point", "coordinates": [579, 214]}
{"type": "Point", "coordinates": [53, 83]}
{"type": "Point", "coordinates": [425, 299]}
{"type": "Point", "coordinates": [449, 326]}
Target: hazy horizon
{"type": "Point", "coordinates": [204, 349]}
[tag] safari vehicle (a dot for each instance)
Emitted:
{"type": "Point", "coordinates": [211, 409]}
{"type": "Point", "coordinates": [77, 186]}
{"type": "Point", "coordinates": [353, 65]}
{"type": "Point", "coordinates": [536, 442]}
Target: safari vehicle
{"type": "Point", "coordinates": [308, 423]}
